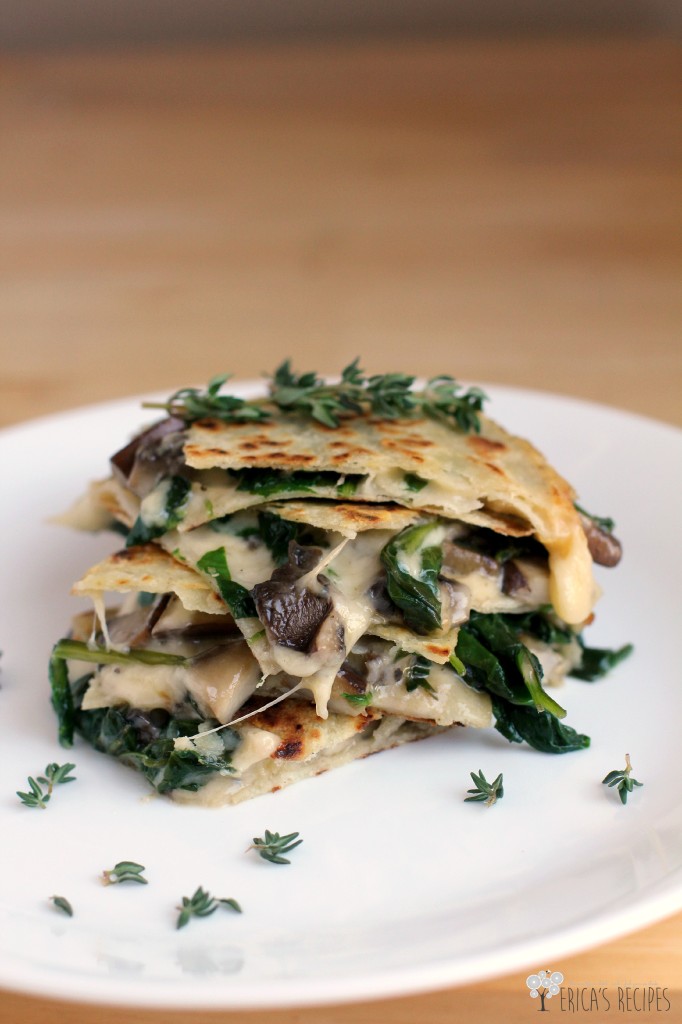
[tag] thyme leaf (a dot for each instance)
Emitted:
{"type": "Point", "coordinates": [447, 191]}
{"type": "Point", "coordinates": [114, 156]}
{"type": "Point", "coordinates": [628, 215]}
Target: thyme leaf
{"type": "Point", "coordinates": [55, 774]}
{"type": "Point", "coordinates": [202, 904]}
{"type": "Point", "coordinates": [484, 791]}
{"type": "Point", "coordinates": [272, 845]}
{"type": "Point", "coordinates": [622, 780]}
{"type": "Point", "coordinates": [389, 395]}
{"type": "Point", "coordinates": [62, 904]}
{"type": "Point", "coordinates": [124, 871]}
{"type": "Point", "coordinates": [192, 404]}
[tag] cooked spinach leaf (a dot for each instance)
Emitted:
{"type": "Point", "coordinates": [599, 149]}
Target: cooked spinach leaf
{"type": "Point", "coordinates": [497, 661]}
{"type": "Point", "coordinates": [414, 482]}
{"type": "Point", "coordinates": [597, 661]}
{"type": "Point", "coordinates": [361, 700]}
{"type": "Point", "coordinates": [350, 485]}
{"type": "Point", "coordinates": [417, 596]}
{"type": "Point", "coordinates": [266, 482]}
{"type": "Point", "coordinates": [236, 597]}
{"type": "Point", "coordinates": [541, 624]}
{"type": "Point", "coordinates": [277, 532]}
{"type": "Point", "coordinates": [177, 493]}
{"type": "Point", "coordinates": [62, 700]}
{"type": "Point", "coordinates": [115, 731]}
{"type": "Point", "coordinates": [66, 696]}
{"type": "Point", "coordinates": [542, 731]}
{"type": "Point", "coordinates": [417, 675]}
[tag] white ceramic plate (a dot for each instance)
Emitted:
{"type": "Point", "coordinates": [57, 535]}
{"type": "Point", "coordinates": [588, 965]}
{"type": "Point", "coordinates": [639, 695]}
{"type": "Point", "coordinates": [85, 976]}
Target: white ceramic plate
{"type": "Point", "coordinates": [399, 885]}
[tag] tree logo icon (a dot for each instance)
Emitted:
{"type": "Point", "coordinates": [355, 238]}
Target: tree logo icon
{"type": "Point", "coordinates": [544, 985]}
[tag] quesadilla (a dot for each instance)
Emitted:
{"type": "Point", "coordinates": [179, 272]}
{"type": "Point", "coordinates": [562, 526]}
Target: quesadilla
{"type": "Point", "coordinates": [345, 561]}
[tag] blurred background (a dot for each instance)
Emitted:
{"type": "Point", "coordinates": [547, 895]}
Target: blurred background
{"type": "Point", "coordinates": [489, 189]}
{"type": "Point", "coordinates": [56, 23]}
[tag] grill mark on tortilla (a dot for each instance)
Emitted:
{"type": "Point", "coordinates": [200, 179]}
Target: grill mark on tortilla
{"type": "Point", "coordinates": [485, 444]}
{"type": "Point", "coordinates": [299, 728]}
{"type": "Point", "coordinates": [493, 467]}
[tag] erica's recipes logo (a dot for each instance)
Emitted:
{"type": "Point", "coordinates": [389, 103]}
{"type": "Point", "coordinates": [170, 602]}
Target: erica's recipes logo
{"type": "Point", "coordinates": [544, 985]}
{"type": "Point", "coordinates": [599, 1000]}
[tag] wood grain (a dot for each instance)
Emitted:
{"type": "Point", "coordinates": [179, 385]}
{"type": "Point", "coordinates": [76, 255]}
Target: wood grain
{"type": "Point", "coordinates": [506, 212]}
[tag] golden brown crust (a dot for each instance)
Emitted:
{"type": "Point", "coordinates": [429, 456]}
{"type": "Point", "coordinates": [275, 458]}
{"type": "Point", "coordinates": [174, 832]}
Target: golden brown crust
{"type": "Point", "coordinates": [347, 518]}
{"type": "Point", "coordinates": [149, 568]}
{"type": "Point", "coordinates": [299, 728]}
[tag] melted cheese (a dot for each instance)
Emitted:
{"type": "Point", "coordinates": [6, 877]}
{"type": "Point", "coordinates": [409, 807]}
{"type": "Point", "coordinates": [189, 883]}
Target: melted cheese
{"type": "Point", "coordinates": [248, 563]}
{"type": "Point", "coordinates": [142, 686]}
{"type": "Point", "coordinates": [256, 745]}
{"type": "Point", "coordinates": [453, 701]}
{"type": "Point", "coordinates": [355, 568]}
{"type": "Point", "coordinates": [219, 683]}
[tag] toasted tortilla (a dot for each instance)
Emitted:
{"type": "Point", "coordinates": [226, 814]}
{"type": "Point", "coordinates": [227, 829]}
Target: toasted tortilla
{"type": "Point", "coordinates": [304, 746]}
{"type": "Point", "coordinates": [491, 472]}
{"type": "Point", "coordinates": [150, 569]}
{"type": "Point", "coordinates": [345, 518]}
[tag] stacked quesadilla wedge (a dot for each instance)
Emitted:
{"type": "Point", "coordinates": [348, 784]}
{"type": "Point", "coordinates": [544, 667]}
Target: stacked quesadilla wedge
{"type": "Point", "coordinates": [320, 574]}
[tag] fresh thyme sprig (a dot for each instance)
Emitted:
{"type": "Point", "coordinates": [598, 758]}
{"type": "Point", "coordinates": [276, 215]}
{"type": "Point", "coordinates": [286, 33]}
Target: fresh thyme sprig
{"type": "Point", "coordinates": [312, 396]}
{"type": "Point", "coordinates": [192, 404]}
{"type": "Point", "coordinates": [622, 780]}
{"type": "Point", "coordinates": [202, 904]}
{"type": "Point", "coordinates": [55, 774]}
{"type": "Point", "coordinates": [442, 400]}
{"type": "Point", "coordinates": [484, 791]}
{"type": "Point", "coordinates": [62, 904]}
{"type": "Point", "coordinates": [387, 395]}
{"type": "Point", "coordinates": [273, 845]}
{"type": "Point", "coordinates": [124, 871]}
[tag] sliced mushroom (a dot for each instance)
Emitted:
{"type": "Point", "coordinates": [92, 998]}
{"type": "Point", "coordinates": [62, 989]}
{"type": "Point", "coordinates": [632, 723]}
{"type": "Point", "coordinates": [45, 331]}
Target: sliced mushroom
{"type": "Point", "coordinates": [513, 579]}
{"type": "Point", "coordinates": [604, 547]}
{"type": "Point", "coordinates": [153, 454]}
{"type": "Point", "coordinates": [459, 560]}
{"type": "Point", "coordinates": [223, 679]}
{"type": "Point", "coordinates": [135, 628]}
{"type": "Point", "coordinates": [455, 603]}
{"type": "Point", "coordinates": [291, 615]}
{"type": "Point", "coordinates": [351, 678]}
{"type": "Point", "coordinates": [176, 619]}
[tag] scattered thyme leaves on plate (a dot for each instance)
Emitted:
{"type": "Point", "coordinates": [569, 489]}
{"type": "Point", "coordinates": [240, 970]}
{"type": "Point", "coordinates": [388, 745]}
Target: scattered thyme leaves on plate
{"type": "Point", "coordinates": [202, 904]}
{"type": "Point", "coordinates": [272, 845]}
{"type": "Point", "coordinates": [124, 871]}
{"type": "Point", "coordinates": [55, 774]}
{"type": "Point", "coordinates": [622, 780]}
{"type": "Point", "coordinates": [484, 791]}
{"type": "Point", "coordinates": [61, 903]}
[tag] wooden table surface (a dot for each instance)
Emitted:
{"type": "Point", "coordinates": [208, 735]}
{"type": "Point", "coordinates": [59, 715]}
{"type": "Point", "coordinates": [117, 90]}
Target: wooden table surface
{"type": "Point", "coordinates": [503, 211]}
